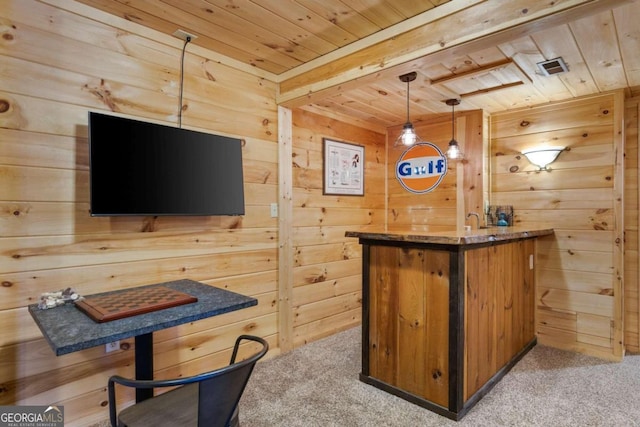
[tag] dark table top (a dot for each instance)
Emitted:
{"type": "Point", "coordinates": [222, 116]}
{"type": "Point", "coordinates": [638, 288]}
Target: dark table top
{"type": "Point", "coordinates": [67, 329]}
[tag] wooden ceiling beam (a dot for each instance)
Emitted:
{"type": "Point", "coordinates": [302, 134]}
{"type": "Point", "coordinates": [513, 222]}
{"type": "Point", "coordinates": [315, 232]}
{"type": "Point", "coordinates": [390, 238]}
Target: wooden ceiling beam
{"type": "Point", "coordinates": [508, 62]}
{"type": "Point", "coordinates": [482, 25]}
{"type": "Point", "coordinates": [490, 89]}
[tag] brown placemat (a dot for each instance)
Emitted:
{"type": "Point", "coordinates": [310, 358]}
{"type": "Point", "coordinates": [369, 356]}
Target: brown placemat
{"type": "Point", "coordinates": [131, 302]}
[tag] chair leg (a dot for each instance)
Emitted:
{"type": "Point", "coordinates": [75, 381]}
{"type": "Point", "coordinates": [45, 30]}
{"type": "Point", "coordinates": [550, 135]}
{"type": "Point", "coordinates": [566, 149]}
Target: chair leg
{"type": "Point", "coordinates": [235, 418]}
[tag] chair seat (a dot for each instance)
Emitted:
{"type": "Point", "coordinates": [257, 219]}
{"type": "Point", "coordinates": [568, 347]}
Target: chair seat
{"type": "Point", "coordinates": [153, 412]}
{"type": "Point", "coordinates": [209, 399]}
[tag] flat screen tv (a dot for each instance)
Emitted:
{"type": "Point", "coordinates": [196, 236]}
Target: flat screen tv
{"type": "Point", "coordinates": [141, 168]}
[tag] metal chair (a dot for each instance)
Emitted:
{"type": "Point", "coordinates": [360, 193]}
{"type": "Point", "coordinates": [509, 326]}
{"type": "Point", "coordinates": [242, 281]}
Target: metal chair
{"type": "Point", "coordinates": [208, 399]}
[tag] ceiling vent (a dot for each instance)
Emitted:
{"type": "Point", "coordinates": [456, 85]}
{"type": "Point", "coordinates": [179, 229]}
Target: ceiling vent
{"type": "Point", "coordinates": [552, 66]}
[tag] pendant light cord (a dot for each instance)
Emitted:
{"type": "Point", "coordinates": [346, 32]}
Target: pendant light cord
{"type": "Point", "coordinates": [453, 122]}
{"type": "Point", "coordinates": [408, 101]}
{"type": "Point", "coordinates": [184, 48]}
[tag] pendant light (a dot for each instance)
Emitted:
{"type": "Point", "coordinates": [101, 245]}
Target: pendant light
{"type": "Point", "coordinates": [453, 152]}
{"type": "Point", "coordinates": [408, 136]}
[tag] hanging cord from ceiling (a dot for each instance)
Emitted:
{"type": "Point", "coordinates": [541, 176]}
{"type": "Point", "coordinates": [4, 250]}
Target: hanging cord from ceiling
{"type": "Point", "coordinates": [184, 48]}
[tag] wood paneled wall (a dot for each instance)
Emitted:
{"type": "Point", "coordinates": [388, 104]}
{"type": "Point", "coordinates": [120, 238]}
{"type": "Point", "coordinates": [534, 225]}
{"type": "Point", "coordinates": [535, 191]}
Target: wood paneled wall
{"type": "Point", "coordinates": [631, 230]}
{"type": "Point", "coordinates": [59, 62]}
{"type": "Point", "coordinates": [57, 65]}
{"type": "Point", "coordinates": [438, 210]}
{"type": "Point", "coordinates": [580, 270]}
{"type": "Point", "coordinates": [327, 280]}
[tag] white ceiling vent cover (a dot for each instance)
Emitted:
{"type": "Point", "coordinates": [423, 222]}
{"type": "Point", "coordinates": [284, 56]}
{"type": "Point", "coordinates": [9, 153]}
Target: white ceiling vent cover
{"type": "Point", "coordinates": [552, 66]}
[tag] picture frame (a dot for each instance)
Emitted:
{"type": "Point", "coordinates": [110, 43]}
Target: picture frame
{"type": "Point", "coordinates": [343, 168]}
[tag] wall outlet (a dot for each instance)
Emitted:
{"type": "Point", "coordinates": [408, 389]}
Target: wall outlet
{"type": "Point", "coordinates": [274, 210]}
{"type": "Point", "coordinates": [111, 346]}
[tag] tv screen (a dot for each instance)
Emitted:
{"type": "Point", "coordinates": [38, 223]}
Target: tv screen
{"type": "Point", "coordinates": [140, 168]}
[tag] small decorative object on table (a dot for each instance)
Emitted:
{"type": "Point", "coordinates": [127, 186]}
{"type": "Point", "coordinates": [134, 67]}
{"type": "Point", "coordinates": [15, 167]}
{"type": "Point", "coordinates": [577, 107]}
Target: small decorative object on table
{"type": "Point", "coordinates": [496, 213]}
{"type": "Point", "coordinates": [502, 220]}
{"type": "Point", "coordinates": [114, 305]}
{"type": "Point", "coordinates": [61, 297]}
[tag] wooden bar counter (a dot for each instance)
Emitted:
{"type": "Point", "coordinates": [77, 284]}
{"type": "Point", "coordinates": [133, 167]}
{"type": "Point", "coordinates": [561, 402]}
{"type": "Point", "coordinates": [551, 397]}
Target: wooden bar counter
{"type": "Point", "coordinates": [446, 314]}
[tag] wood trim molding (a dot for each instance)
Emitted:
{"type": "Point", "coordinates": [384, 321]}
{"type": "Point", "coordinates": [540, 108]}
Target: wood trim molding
{"type": "Point", "coordinates": [285, 219]}
{"type": "Point", "coordinates": [638, 189]}
{"type": "Point", "coordinates": [618, 209]}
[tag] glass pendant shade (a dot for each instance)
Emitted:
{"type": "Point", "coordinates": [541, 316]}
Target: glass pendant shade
{"type": "Point", "coordinates": [408, 136]}
{"type": "Point", "coordinates": [542, 157]}
{"type": "Point", "coordinates": [454, 152]}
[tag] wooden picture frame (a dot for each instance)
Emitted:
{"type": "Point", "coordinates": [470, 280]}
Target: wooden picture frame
{"type": "Point", "coordinates": [343, 168]}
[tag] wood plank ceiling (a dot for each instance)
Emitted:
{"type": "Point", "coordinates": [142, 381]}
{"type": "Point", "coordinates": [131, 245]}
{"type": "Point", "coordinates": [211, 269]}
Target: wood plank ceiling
{"type": "Point", "coordinates": [345, 56]}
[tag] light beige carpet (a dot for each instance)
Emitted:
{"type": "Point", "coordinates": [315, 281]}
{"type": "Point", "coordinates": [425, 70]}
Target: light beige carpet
{"type": "Point", "coordinates": [317, 385]}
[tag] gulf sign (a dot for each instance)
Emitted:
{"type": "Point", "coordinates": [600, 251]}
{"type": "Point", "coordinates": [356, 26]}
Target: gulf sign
{"type": "Point", "coordinates": [420, 168]}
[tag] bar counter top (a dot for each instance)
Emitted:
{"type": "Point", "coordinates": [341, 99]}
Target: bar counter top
{"type": "Point", "coordinates": [467, 237]}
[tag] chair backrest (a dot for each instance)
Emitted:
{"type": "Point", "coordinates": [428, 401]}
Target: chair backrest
{"type": "Point", "coordinates": [221, 390]}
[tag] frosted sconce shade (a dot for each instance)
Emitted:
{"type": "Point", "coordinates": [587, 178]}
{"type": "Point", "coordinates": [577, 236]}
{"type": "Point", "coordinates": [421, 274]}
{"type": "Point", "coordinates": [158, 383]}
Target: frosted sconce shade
{"type": "Point", "coordinates": [542, 157]}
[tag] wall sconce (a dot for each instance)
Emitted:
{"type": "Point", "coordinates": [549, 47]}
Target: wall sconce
{"type": "Point", "coordinates": [542, 157]}
{"type": "Point", "coordinates": [453, 152]}
{"type": "Point", "coordinates": [408, 136]}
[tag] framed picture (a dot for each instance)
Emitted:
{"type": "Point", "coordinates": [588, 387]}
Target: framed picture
{"type": "Point", "coordinates": [343, 168]}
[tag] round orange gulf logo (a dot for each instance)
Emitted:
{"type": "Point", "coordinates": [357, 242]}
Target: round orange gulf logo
{"type": "Point", "coordinates": [421, 168]}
